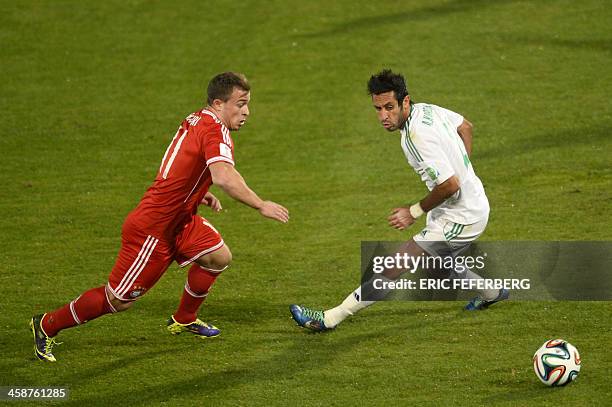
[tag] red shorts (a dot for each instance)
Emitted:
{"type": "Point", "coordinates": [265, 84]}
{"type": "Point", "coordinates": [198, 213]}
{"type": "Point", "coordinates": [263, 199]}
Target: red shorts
{"type": "Point", "coordinates": [143, 258]}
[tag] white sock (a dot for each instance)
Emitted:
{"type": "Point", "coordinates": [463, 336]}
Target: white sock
{"type": "Point", "coordinates": [487, 295]}
{"type": "Point", "coordinates": [351, 305]}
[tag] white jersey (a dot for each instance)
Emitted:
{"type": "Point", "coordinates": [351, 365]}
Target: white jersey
{"type": "Point", "coordinates": [436, 152]}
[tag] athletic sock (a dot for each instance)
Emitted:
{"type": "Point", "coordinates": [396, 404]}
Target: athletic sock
{"type": "Point", "coordinates": [89, 305]}
{"type": "Point", "coordinates": [351, 305]}
{"type": "Point", "coordinates": [486, 295]}
{"type": "Point", "coordinates": [199, 281]}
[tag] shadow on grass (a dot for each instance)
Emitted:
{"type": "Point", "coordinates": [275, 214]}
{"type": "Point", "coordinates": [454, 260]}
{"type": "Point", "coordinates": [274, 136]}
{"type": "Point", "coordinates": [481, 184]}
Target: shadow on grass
{"type": "Point", "coordinates": [247, 312]}
{"type": "Point", "coordinates": [549, 141]}
{"type": "Point", "coordinates": [302, 351]}
{"type": "Point", "coordinates": [590, 44]}
{"type": "Point", "coordinates": [396, 19]}
{"type": "Point", "coordinates": [521, 393]}
{"type": "Point", "coordinates": [107, 368]}
{"type": "Point", "coordinates": [417, 307]}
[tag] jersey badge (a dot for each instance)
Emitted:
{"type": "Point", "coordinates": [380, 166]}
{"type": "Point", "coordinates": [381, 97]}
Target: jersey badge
{"type": "Point", "coordinates": [137, 291]}
{"type": "Point", "coordinates": [433, 174]}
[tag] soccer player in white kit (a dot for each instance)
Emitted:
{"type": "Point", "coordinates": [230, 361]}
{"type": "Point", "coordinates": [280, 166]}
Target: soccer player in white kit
{"type": "Point", "coordinates": [437, 144]}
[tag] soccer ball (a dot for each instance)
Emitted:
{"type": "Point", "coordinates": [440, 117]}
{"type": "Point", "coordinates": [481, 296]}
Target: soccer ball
{"type": "Point", "coordinates": [556, 363]}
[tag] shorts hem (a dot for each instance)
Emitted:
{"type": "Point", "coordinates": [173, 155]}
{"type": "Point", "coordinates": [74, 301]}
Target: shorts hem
{"type": "Point", "coordinates": [202, 253]}
{"type": "Point", "coordinates": [117, 296]}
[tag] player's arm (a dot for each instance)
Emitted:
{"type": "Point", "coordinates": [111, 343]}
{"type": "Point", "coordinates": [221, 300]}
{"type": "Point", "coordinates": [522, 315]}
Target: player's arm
{"type": "Point", "coordinates": [440, 193]}
{"type": "Point", "coordinates": [465, 132]}
{"type": "Point", "coordinates": [210, 200]}
{"type": "Point", "coordinates": [225, 176]}
{"type": "Point", "coordinates": [403, 217]}
{"type": "Point", "coordinates": [433, 165]}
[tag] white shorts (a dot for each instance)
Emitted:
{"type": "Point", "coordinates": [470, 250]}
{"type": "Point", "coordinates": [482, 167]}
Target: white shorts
{"type": "Point", "coordinates": [442, 237]}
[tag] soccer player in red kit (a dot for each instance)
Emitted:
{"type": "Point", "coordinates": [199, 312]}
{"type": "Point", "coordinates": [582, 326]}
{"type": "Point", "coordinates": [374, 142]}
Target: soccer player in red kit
{"type": "Point", "coordinates": [165, 226]}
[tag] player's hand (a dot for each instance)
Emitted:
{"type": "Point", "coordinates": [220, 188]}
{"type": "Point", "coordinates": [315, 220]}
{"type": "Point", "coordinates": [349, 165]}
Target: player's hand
{"type": "Point", "coordinates": [274, 211]}
{"type": "Point", "coordinates": [401, 218]}
{"type": "Point", "coordinates": [212, 201]}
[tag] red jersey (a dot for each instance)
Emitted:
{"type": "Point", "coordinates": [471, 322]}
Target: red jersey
{"type": "Point", "coordinates": [184, 176]}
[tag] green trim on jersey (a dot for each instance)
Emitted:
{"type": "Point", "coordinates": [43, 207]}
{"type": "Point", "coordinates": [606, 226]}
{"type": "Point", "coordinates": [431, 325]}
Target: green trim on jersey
{"type": "Point", "coordinates": [412, 148]}
{"type": "Point", "coordinates": [455, 231]}
{"type": "Point", "coordinates": [466, 159]}
{"type": "Point", "coordinates": [409, 143]}
{"type": "Point", "coordinates": [409, 117]}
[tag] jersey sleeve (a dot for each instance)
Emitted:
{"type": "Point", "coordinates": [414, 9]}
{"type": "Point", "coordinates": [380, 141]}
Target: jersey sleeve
{"type": "Point", "coordinates": [217, 145]}
{"type": "Point", "coordinates": [455, 118]}
{"type": "Point", "coordinates": [434, 164]}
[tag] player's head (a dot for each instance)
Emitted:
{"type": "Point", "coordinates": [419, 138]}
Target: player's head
{"type": "Point", "coordinates": [390, 98]}
{"type": "Point", "coordinates": [228, 94]}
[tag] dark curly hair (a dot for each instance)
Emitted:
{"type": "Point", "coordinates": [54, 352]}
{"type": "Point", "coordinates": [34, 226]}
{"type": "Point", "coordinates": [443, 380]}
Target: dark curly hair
{"type": "Point", "coordinates": [386, 81]}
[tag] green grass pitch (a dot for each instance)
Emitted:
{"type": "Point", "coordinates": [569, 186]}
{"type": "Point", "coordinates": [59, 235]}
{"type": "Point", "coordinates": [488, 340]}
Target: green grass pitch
{"type": "Point", "coordinates": [92, 92]}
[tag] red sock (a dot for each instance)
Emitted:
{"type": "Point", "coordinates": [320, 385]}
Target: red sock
{"type": "Point", "coordinates": [89, 305]}
{"type": "Point", "coordinates": [199, 281]}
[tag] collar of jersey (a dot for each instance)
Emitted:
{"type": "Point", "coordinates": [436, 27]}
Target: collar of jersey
{"type": "Point", "coordinates": [213, 114]}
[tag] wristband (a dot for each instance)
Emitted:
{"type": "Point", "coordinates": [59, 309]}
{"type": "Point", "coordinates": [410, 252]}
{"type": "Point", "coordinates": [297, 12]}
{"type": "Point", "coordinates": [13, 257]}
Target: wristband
{"type": "Point", "coordinates": [416, 211]}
